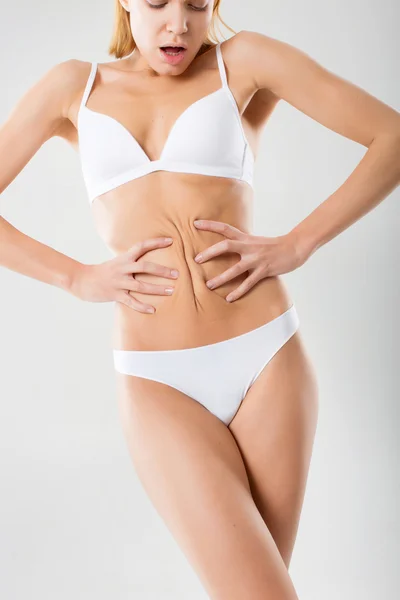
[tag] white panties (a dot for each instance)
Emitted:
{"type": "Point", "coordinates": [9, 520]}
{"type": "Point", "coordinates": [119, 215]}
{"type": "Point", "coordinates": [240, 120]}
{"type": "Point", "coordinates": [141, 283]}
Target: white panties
{"type": "Point", "coordinates": [216, 375]}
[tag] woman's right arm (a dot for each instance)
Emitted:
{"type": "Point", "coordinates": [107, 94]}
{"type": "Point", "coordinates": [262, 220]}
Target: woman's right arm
{"type": "Point", "coordinates": [39, 115]}
{"type": "Point", "coordinates": [42, 113]}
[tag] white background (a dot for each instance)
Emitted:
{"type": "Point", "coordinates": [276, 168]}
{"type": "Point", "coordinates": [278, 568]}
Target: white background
{"type": "Point", "coordinates": [74, 519]}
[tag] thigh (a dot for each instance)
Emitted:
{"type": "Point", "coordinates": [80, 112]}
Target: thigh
{"type": "Point", "coordinates": [275, 429]}
{"type": "Point", "coordinates": [192, 470]}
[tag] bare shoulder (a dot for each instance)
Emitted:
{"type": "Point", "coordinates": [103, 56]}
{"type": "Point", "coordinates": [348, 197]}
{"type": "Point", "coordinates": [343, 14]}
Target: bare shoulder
{"type": "Point", "coordinates": [239, 55]}
{"type": "Point", "coordinates": [57, 89]}
{"type": "Point", "coordinates": [66, 82]}
{"type": "Point", "coordinates": [41, 113]}
{"type": "Point", "coordinates": [269, 61]}
{"type": "Point", "coordinates": [235, 51]}
{"type": "Point", "coordinates": [70, 78]}
{"type": "Point", "coordinates": [246, 54]}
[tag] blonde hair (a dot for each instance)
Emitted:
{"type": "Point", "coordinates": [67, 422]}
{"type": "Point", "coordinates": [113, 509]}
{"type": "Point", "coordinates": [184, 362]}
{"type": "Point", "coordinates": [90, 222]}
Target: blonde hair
{"type": "Point", "coordinates": [122, 42]}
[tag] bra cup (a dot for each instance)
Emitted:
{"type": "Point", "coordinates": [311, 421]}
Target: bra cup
{"type": "Point", "coordinates": [206, 134]}
{"type": "Point", "coordinates": [106, 147]}
{"type": "Point", "coordinates": [207, 138]}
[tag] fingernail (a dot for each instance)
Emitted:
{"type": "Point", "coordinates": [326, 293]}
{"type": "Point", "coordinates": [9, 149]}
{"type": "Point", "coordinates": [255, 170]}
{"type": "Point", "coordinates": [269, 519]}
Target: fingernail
{"type": "Point", "coordinates": [229, 298]}
{"type": "Point", "coordinates": [197, 222]}
{"type": "Point", "coordinates": [210, 285]}
{"type": "Point", "coordinates": [174, 273]}
{"type": "Point", "coordinates": [199, 258]}
{"type": "Point", "coordinates": [169, 290]}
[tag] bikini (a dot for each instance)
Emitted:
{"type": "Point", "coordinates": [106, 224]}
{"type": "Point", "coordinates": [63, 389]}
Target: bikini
{"type": "Point", "coordinates": [207, 138]}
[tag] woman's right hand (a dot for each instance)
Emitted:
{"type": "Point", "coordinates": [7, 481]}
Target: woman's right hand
{"type": "Point", "coordinates": [114, 279]}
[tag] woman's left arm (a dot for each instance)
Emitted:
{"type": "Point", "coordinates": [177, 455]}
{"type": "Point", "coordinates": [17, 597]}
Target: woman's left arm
{"type": "Point", "coordinates": [344, 108]}
{"type": "Point", "coordinates": [339, 105]}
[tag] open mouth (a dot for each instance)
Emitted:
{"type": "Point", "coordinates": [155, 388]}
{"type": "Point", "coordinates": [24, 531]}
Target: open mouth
{"type": "Point", "coordinates": [172, 50]}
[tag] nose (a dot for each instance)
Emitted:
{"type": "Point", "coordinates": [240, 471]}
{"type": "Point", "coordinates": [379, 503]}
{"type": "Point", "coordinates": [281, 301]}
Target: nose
{"type": "Point", "coordinates": [177, 20]}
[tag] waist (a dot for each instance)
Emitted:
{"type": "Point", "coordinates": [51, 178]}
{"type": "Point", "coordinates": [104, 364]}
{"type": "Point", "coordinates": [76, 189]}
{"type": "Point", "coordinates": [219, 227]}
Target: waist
{"type": "Point", "coordinates": [193, 314]}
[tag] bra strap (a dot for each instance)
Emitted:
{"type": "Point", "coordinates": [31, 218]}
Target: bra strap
{"type": "Point", "coordinates": [89, 83]}
{"type": "Point", "coordinates": [221, 66]}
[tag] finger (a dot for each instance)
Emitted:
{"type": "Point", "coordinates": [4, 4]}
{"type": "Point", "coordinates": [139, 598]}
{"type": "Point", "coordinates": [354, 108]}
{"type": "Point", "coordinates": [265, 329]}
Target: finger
{"type": "Point", "coordinates": [145, 266]}
{"type": "Point", "coordinates": [244, 287]}
{"type": "Point", "coordinates": [142, 287]}
{"type": "Point", "coordinates": [145, 245]}
{"type": "Point", "coordinates": [227, 230]}
{"type": "Point", "coordinates": [226, 276]}
{"type": "Point", "coordinates": [124, 297]}
{"type": "Point", "coordinates": [219, 248]}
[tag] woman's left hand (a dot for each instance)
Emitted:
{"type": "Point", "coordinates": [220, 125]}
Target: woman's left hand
{"type": "Point", "coordinates": [261, 256]}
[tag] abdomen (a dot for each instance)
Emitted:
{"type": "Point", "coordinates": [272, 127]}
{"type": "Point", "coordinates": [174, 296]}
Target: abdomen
{"type": "Point", "coordinates": [162, 204]}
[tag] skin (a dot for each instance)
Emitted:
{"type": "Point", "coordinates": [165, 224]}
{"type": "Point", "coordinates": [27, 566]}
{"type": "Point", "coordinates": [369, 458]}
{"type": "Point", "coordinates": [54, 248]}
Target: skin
{"type": "Point", "coordinates": [231, 495]}
{"type": "Point", "coordinates": [176, 22]}
{"type": "Point", "coordinates": [164, 203]}
{"type": "Point", "coordinates": [246, 560]}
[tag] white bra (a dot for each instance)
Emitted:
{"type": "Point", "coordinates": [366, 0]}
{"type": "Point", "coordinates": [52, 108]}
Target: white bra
{"type": "Point", "coordinates": [207, 138]}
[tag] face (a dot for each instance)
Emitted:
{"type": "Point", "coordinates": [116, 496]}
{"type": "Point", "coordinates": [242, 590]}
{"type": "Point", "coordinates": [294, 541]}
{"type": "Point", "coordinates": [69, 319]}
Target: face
{"type": "Point", "coordinates": [156, 23]}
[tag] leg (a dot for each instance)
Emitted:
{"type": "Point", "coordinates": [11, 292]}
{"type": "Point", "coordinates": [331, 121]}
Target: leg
{"type": "Point", "coordinates": [192, 470]}
{"type": "Point", "coordinates": [274, 429]}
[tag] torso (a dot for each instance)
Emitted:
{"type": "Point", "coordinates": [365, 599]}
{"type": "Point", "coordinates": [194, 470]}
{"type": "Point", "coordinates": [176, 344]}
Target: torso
{"type": "Point", "coordinates": [165, 203]}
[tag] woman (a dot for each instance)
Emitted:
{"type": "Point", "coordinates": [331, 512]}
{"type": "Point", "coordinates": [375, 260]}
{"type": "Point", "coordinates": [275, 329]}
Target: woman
{"type": "Point", "coordinates": [217, 396]}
